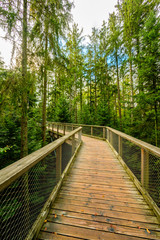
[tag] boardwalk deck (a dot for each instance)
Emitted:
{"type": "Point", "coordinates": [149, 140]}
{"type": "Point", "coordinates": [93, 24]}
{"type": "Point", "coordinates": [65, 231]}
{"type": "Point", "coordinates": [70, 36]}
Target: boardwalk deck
{"type": "Point", "coordinates": [99, 201]}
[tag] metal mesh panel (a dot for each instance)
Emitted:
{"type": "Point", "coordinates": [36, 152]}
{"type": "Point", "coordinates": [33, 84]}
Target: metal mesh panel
{"type": "Point", "coordinates": [98, 132]}
{"type": "Point", "coordinates": [66, 153]}
{"type": "Point", "coordinates": [68, 128]}
{"type": "Point", "coordinates": [86, 130]}
{"type": "Point", "coordinates": [154, 178]}
{"type": "Point", "coordinates": [131, 155]}
{"type": "Point", "coordinates": [23, 200]}
{"type": "Point", "coordinates": [115, 141]}
{"type": "Point", "coordinates": [75, 127]}
{"type": "Point", "coordinates": [106, 133]}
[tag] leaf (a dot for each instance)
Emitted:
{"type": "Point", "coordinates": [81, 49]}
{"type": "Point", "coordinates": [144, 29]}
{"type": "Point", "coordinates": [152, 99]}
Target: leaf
{"type": "Point", "coordinates": [45, 229]}
{"type": "Point", "coordinates": [55, 215]}
{"type": "Point", "coordinates": [148, 230]}
{"type": "Point", "coordinates": [138, 227]}
{"type": "Point", "coordinates": [82, 210]}
{"type": "Point", "coordinates": [45, 221]}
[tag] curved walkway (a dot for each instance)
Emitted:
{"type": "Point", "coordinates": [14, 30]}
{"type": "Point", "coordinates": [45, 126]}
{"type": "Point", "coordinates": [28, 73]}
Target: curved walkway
{"type": "Point", "coordinates": [99, 201]}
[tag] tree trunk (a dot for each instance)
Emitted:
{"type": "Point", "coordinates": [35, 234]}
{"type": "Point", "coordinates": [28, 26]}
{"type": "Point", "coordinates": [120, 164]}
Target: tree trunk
{"type": "Point", "coordinates": [24, 132]}
{"type": "Point", "coordinates": [81, 97]}
{"type": "Point", "coordinates": [119, 97]}
{"type": "Point", "coordinates": [131, 82]}
{"type": "Point", "coordinates": [45, 91]}
{"type": "Point", "coordinates": [95, 98]}
{"type": "Point", "coordinates": [90, 104]}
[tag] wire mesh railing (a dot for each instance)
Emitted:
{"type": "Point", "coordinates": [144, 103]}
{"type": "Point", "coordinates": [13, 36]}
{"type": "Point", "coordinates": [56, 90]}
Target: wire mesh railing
{"type": "Point", "coordinates": [90, 130]}
{"type": "Point", "coordinates": [154, 177]}
{"type": "Point", "coordinates": [141, 158]}
{"type": "Point", "coordinates": [27, 184]}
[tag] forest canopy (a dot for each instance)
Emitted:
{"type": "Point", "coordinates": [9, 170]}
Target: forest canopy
{"type": "Point", "coordinates": [111, 78]}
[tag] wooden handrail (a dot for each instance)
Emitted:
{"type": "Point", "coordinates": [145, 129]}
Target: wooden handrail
{"type": "Point", "coordinates": [153, 149]}
{"type": "Point", "coordinates": [149, 147]}
{"type": "Point", "coordinates": [75, 124]}
{"type": "Point", "coordinates": [17, 169]}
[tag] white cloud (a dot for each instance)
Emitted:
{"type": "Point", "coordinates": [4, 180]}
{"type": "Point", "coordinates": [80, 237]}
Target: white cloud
{"type": "Point", "coordinates": [91, 13]}
{"type": "Point", "coordinates": [5, 49]}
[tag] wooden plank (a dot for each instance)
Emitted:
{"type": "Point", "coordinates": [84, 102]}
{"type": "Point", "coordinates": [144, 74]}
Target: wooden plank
{"type": "Point", "coordinates": [106, 206]}
{"type": "Point", "coordinates": [106, 197]}
{"type": "Point", "coordinates": [105, 187]}
{"type": "Point", "coordinates": [103, 201]}
{"type": "Point", "coordinates": [105, 213]}
{"type": "Point", "coordinates": [107, 227]}
{"type": "Point", "coordinates": [99, 181]}
{"type": "Point", "coordinates": [100, 186]}
{"type": "Point", "coordinates": [84, 233]}
{"type": "Point", "coordinates": [100, 192]}
{"type": "Point", "coordinates": [48, 235]}
{"type": "Point", "coordinates": [102, 219]}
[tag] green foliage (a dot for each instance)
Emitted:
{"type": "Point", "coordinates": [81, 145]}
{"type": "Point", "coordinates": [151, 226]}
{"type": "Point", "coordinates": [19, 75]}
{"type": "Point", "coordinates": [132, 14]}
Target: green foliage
{"type": "Point", "coordinates": [62, 113]}
{"type": "Point", "coordinates": [112, 80]}
{"type": "Point", "coordinates": [7, 212]}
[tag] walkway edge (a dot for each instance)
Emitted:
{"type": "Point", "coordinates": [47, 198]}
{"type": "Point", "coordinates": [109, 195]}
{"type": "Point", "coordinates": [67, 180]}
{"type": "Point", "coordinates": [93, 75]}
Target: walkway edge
{"type": "Point", "coordinates": [138, 185]}
{"type": "Point", "coordinates": [45, 210]}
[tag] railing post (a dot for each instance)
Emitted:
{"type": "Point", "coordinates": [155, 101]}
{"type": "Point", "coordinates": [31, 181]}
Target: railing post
{"type": "Point", "coordinates": [57, 131]}
{"type": "Point", "coordinates": [144, 168]}
{"type": "Point", "coordinates": [120, 146]}
{"type": "Point", "coordinates": [108, 134]}
{"type": "Point", "coordinates": [91, 130]}
{"type": "Point", "coordinates": [64, 129]}
{"type": "Point", "coordinates": [79, 135]}
{"type": "Point", "coordinates": [58, 162]}
{"type": "Point", "coordinates": [72, 127]}
{"type": "Point", "coordinates": [104, 132]}
{"type": "Point", "coordinates": [73, 144]}
{"type": "Point", "coordinates": [111, 138]}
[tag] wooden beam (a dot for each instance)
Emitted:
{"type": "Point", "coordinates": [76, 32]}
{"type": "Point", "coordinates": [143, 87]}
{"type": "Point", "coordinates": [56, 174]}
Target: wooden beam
{"type": "Point", "coordinates": [104, 132]}
{"type": "Point", "coordinates": [91, 130]}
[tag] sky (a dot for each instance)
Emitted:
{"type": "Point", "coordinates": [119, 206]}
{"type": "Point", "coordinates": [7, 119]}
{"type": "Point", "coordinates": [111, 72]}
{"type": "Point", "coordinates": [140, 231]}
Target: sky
{"type": "Point", "coordinates": [87, 13]}
{"type": "Point", "coordinates": [91, 13]}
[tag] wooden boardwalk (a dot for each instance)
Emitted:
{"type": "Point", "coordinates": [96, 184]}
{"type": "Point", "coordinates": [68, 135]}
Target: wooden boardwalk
{"type": "Point", "coordinates": [99, 201]}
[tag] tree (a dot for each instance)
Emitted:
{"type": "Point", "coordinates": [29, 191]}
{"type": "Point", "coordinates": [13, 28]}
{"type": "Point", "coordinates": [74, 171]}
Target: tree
{"type": "Point", "coordinates": [115, 51]}
{"type": "Point", "coordinates": [11, 15]}
{"type": "Point", "coordinates": [149, 71]}
{"type": "Point", "coordinates": [126, 12]}
{"type": "Point", "coordinates": [50, 19]}
{"type": "Point", "coordinates": [74, 52]}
